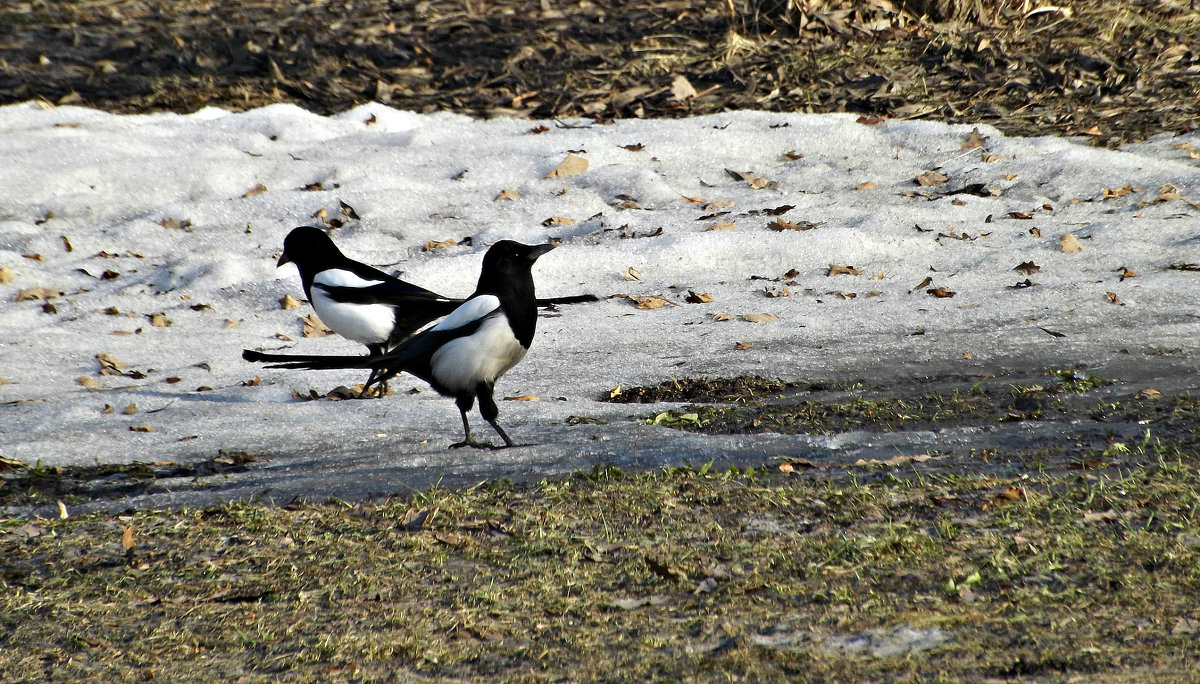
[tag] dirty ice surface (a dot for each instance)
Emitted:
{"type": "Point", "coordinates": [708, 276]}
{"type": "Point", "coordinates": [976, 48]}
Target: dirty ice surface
{"type": "Point", "coordinates": [155, 239]}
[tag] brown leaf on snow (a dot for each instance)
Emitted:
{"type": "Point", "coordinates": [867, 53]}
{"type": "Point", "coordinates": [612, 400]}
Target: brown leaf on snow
{"type": "Point", "coordinates": [110, 365]}
{"type": "Point", "coordinates": [7, 275]}
{"type": "Point", "coordinates": [507, 194]}
{"type": "Point", "coordinates": [790, 156]}
{"type": "Point", "coordinates": [1126, 273]}
{"type": "Point", "coordinates": [160, 320]}
{"type": "Point", "coordinates": [781, 292]}
{"type": "Point", "coordinates": [760, 317]}
{"type": "Point", "coordinates": [740, 346]}
{"type": "Point", "coordinates": [37, 293]}
{"type": "Point", "coordinates": [1027, 268]}
{"type": "Point", "coordinates": [975, 139]}
{"type": "Point", "coordinates": [837, 269]}
{"type": "Point", "coordinates": [722, 225]}
{"type": "Point", "coordinates": [716, 205]}
{"type": "Point", "coordinates": [931, 177]}
{"type": "Point", "coordinates": [753, 180]}
{"type": "Point", "coordinates": [1019, 215]}
{"type": "Point", "coordinates": [866, 186]}
{"type": "Point", "coordinates": [693, 298]}
{"type": "Point", "coordinates": [438, 244]}
{"type": "Point", "coordinates": [780, 224]}
{"type": "Point", "coordinates": [313, 327]}
{"type": "Point", "coordinates": [289, 302]}
{"type": "Point", "coordinates": [558, 221]}
{"type": "Point", "coordinates": [140, 428]}
{"type": "Point", "coordinates": [258, 189]}
{"type": "Point", "coordinates": [88, 381]}
{"type": "Point", "coordinates": [723, 317]}
{"type": "Point", "coordinates": [571, 166]}
{"type": "Point", "coordinates": [632, 274]}
{"type": "Point", "coordinates": [1112, 297]}
{"type": "Point", "coordinates": [941, 293]}
{"type": "Point", "coordinates": [1112, 193]}
{"type": "Point", "coordinates": [923, 284]}
{"type": "Point", "coordinates": [647, 301]}
{"type": "Point", "coordinates": [1069, 244]}
{"type": "Point", "coordinates": [1150, 393]}
{"type": "Point", "coordinates": [524, 397]}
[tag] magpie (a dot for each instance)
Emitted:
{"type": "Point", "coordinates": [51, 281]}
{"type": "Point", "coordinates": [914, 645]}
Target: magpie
{"type": "Point", "coordinates": [464, 354]}
{"type": "Point", "coordinates": [364, 304]}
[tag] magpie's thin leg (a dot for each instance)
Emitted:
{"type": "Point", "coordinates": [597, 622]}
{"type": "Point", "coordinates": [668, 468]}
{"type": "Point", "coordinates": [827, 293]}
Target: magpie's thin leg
{"type": "Point", "coordinates": [489, 411]}
{"type": "Point", "coordinates": [464, 405]}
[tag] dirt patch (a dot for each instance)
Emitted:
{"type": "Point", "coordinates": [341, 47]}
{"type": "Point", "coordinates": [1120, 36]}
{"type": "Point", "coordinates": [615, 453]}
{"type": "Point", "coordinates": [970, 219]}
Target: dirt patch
{"type": "Point", "coordinates": [1115, 71]}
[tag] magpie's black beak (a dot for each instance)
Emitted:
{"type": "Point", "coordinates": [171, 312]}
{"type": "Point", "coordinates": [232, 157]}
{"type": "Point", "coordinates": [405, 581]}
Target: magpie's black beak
{"type": "Point", "coordinates": [539, 250]}
{"type": "Point", "coordinates": [283, 259]}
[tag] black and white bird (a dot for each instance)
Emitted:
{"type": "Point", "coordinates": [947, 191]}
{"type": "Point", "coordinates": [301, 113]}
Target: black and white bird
{"type": "Point", "coordinates": [465, 353]}
{"type": "Point", "coordinates": [364, 304]}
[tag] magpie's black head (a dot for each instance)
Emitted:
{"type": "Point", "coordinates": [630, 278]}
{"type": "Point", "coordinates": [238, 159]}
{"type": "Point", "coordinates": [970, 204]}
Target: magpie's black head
{"type": "Point", "coordinates": [307, 246]}
{"type": "Point", "coordinates": [507, 267]}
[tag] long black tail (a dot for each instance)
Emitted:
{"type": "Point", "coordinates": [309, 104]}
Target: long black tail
{"type": "Point", "coordinates": [572, 299]}
{"type": "Point", "coordinates": [309, 361]}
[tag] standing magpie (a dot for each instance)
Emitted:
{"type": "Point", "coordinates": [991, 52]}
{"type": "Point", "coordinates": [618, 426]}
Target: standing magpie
{"type": "Point", "coordinates": [464, 354]}
{"type": "Point", "coordinates": [364, 304]}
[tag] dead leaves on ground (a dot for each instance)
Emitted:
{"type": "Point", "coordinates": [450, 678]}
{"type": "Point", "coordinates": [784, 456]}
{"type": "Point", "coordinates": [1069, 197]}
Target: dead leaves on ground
{"type": "Point", "coordinates": [572, 165]}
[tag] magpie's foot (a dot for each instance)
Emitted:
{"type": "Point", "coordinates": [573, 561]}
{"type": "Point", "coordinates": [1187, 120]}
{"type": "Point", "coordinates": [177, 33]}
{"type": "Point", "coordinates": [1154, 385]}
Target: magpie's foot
{"type": "Point", "coordinates": [473, 444]}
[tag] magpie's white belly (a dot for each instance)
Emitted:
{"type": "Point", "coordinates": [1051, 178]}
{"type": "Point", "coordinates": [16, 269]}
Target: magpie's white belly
{"type": "Point", "coordinates": [365, 323]}
{"type": "Point", "coordinates": [482, 356]}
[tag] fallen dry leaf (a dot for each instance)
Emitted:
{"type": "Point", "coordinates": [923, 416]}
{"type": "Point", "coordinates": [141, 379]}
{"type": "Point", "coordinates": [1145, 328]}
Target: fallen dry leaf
{"type": "Point", "coordinates": [1150, 393]}
{"type": "Point", "coordinates": [632, 274]}
{"type": "Point", "coordinates": [313, 327]}
{"type": "Point", "coordinates": [1101, 516]}
{"type": "Point", "coordinates": [931, 177]}
{"type": "Point", "coordinates": [1069, 244]}
{"type": "Point", "coordinates": [1112, 297]}
{"type": "Point", "coordinates": [37, 293]}
{"type": "Point", "coordinates": [1020, 215]}
{"type": "Point", "coordinates": [438, 244]}
{"type": "Point", "coordinates": [781, 292]}
{"type": "Point", "coordinates": [558, 221]}
{"type": "Point", "coordinates": [160, 320]}
{"type": "Point", "coordinates": [1009, 495]}
{"type": "Point", "coordinates": [837, 269]}
{"type": "Point", "coordinates": [760, 317]}
{"type": "Point", "coordinates": [723, 317]}
{"type": "Point", "coordinates": [289, 302]}
{"type": "Point", "coordinates": [1126, 273]}
{"type": "Point", "coordinates": [507, 194]}
{"type": "Point", "coordinates": [571, 166]}
{"type": "Point", "coordinates": [753, 180]}
{"type": "Point", "coordinates": [693, 298]}
{"type": "Point", "coordinates": [742, 345]}
{"type": "Point", "coordinates": [523, 397]}
{"type": "Point", "coordinates": [784, 224]}
{"type": "Point", "coordinates": [975, 139]}
{"type": "Point", "coordinates": [1027, 268]}
{"type": "Point", "coordinates": [88, 381]}
{"type": "Point", "coordinates": [722, 225]}
{"type": "Point", "coordinates": [258, 189]}
{"type": "Point", "coordinates": [7, 275]}
{"type": "Point", "coordinates": [923, 284]}
{"type": "Point", "coordinates": [1112, 193]}
{"type": "Point", "coordinates": [140, 428]}
{"type": "Point", "coordinates": [790, 156]}
{"type": "Point", "coordinates": [681, 89]}
{"type": "Point", "coordinates": [866, 186]}
{"type": "Point", "coordinates": [941, 293]}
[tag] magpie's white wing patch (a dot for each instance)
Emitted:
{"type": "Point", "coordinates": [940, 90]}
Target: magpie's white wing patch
{"type": "Point", "coordinates": [469, 311]}
{"type": "Point", "coordinates": [336, 277]}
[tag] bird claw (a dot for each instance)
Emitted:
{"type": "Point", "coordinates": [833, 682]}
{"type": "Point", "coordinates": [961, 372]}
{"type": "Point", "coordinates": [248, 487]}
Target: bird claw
{"type": "Point", "coordinates": [475, 445]}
